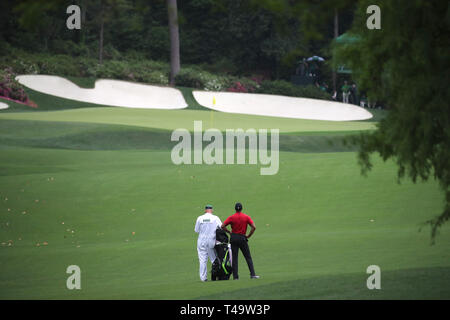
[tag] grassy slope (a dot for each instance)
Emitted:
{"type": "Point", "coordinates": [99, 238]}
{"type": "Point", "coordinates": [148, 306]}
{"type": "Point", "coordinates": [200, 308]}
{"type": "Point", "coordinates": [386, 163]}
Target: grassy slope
{"type": "Point", "coordinates": [94, 136]}
{"type": "Point", "coordinates": [314, 237]}
{"type": "Point", "coordinates": [313, 220]}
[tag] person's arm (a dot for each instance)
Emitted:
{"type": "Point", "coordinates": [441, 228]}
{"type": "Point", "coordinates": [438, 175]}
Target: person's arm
{"type": "Point", "coordinates": [252, 230]}
{"type": "Point", "coordinates": [224, 226]}
{"type": "Point", "coordinates": [197, 226]}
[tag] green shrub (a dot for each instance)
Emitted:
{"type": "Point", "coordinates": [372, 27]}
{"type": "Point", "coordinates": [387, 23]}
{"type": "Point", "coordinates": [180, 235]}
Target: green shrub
{"type": "Point", "coordinates": [146, 71]}
{"type": "Point", "coordinates": [196, 78]}
{"type": "Point", "coordinates": [20, 64]}
{"type": "Point", "coordinates": [314, 93]}
{"type": "Point", "coordinates": [133, 55]}
{"type": "Point", "coordinates": [109, 52]}
{"type": "Point", "coordinates": [113, 69]}
{"type": "Point", "coordinates": [188, 78]}
{"type": "Point", "coordinates": [151, 77]}
{"type": "Point", "coordinates": [87, 67]}
{"type": "Point", "coordinates": [57, 65]}
{"type": "Point", "coordinates": [70, 48]}
{"type": "Point", "coordinates": [281, 87]}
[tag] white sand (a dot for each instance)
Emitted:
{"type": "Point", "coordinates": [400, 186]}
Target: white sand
{"type": "Point", "coordinates": [280, 106]}
{"type": "Point", "coordinates": [3, 106]}
{"type": "Point", "coordinates": [108, 92]}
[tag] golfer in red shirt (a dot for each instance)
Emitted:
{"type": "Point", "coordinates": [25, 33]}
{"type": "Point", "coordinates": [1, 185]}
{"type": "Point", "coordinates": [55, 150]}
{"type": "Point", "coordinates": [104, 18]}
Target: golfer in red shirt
{"type": "Point", "coordinates": [238, 239]}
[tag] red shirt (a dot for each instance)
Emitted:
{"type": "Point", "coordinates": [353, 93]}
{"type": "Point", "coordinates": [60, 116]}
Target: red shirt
{"type": "Point", "coordinates": [238, 222]}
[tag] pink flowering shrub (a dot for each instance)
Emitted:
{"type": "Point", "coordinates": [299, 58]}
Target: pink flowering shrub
{"type": "Point", "coordinates": [238, 87]}
{"type": "Point", "coordinates": [10, 88]}
{"type": "Point", "coordinates": [244, 85]}
{"type": "Point", "coordinates": [258, 79]}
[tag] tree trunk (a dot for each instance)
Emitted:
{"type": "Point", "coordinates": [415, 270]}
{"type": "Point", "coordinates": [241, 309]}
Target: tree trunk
{"type": "Point", "coordinates": [100, 44]}
{"type": "Point", "coordinates": [336, 34]}
{"type": "Point", "coordinates": [174, 40]}
{"type": "Point", "coordinates": [83, 21]}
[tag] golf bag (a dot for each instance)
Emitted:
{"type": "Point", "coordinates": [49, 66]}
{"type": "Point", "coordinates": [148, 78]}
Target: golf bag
{"type": "Point", "coordinates": [222, 266]}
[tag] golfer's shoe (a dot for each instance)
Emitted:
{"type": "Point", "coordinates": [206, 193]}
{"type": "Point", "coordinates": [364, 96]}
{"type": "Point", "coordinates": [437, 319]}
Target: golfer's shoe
{"type": "Point", "coordinates": [255, 277]}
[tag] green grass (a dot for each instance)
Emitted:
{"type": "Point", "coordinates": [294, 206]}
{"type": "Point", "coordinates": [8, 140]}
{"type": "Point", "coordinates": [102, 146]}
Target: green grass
{"type": "Point", "coordinates": [87, 83]}
{"type": "Point", "coordinates": [173, 119]}
{"type": "Point", "coordinates": [190, 100]}
{"type": "Point", "coordinates": [94, 136]}
{"type": "Point", "coordinates": [104, 173]}
{"type": "Point", "coordinates": [45, 102]}
{"type": "Point", "coordinates": [81, 136]}
{"type": "Point", "coordinates": [419, 283]}
{"type": "Point", "coordinates": [313, 220]}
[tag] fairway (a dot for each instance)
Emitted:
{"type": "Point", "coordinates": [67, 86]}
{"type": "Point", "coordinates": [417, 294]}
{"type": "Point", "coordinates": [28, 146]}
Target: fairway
{"type": "Point", "coordinates": [96, 187]}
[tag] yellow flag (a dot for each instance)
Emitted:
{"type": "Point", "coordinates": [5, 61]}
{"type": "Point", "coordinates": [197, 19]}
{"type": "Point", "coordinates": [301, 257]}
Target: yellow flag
{"type": "Point", "coordinates": [214, 101]}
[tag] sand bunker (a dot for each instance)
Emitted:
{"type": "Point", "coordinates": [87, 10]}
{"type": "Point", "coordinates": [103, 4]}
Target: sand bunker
{"type": "Point", "coordinates": [108, 92]}
{"type": "Point", "coordinates": [3, 106]}
{"type": "Point", "coordinates": [280, 106]}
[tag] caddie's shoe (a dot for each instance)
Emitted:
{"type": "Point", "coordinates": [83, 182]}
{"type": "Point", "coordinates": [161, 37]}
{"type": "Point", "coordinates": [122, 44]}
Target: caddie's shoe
{"type": "Point", "coordinates": [255, 277]}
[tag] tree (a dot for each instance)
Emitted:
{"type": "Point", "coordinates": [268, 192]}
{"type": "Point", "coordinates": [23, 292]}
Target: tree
{"type": "Point", "coordinates": [318, 22]}
{"type": "Point", "coordinates": [174, 40]}
{"type": "Point", "coordinates": [102, 28]}
{"type": "Point", "coordinates": [406, 65]}
{"type": "Point", "coordinates": [40, 18]}
{"type": "Point", "coordinates": [102, 13]}
{"type": "Point", "coordinates": [335, 35]}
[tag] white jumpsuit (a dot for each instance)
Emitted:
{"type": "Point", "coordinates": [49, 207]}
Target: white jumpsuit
{"type": "Point", "coordinates": [206, 226]}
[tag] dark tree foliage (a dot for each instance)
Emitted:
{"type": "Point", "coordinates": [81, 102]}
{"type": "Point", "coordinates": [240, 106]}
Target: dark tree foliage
{"type": "Point", "coordinates": [406, 64]}
{"type": "Point", "coordinates": [234, 36]}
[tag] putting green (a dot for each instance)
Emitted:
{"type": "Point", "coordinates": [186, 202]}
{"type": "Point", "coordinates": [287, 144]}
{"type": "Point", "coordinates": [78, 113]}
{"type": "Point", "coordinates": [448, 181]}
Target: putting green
{"type": "Point", "coordinates": [173, 119]}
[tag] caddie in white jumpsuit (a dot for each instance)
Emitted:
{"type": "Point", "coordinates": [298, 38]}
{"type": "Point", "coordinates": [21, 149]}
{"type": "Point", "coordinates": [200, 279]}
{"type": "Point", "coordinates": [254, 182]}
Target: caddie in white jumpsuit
{"type": "Point", "coordinates": [206, 226]}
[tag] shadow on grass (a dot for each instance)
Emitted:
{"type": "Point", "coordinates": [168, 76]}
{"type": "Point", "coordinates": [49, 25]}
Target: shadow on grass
{"type": "Point", "coordinates": [421, 283]}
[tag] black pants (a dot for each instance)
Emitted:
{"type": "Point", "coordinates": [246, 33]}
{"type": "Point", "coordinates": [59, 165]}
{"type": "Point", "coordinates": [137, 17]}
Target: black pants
{"type": "Point", "coordinates": [239, 241]}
